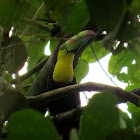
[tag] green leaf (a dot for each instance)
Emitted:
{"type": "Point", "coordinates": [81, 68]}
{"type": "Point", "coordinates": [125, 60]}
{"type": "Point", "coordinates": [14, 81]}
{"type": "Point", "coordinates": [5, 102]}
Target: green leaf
{"type": "Point", "coordinates": [35, 3]}
{"type": "Point", "coordinates": [35, 51]}
{"type": "Point", "coordinates": [10, 100]}
{"type": "Point", "coordinates": [125, 31]}
{"type": "Point", "coordinates": [53, 44]}
{"type": "Point", "coordinates": [96, 47]}
{"type": "Point", "coordinates": [54, 8]}
{"type": "Point", "coordinates": [12, 11]}
{"type": "Point", "coordinates": [74, 135]}
{"type": "Point", "coordinates": [122, 77]}
{"type": "Point", "coordinates": [8, 77]}
{"type": "Point", "coordinates": [132, 108]}
{"type": "Point", "coordinates": [14, 54]}
{"type": "Point", "coordinates": [100, 118]}
{"type": "Point", "coordinates": [135, 111]}
{"type": "Point", "coordinates": [127, 120]}
{"type": "Point", "coordinates": [81, 70]}
{"type": "Point", "coordinates": [26, 84]}
{"type": "Point", "coordinates": [106, 14]}
{"type": "Point", "coordinates": [109, 38]}
{"type": "Point", "coordinates": [128, 58]}
{"type": "Point", "coordinates": [132, 86]}
{"type": "Point", "coordinates": [68, 14]}
{"type": "Point", "coordinates": [117, 62]}
{"type": "Point", "coordinates": [135, 7]}
{"type": "Point", "coordinates": [74, 17]}
{"type": "Point", "coordinates": [30, 124]}
{"type": "Point", "coordinates": [129, 28]}
{"type": "Point", "coordinates": [123, 134]}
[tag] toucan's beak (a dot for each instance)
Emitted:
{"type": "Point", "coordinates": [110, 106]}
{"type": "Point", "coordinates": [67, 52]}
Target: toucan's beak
{"type": "Point", "coordinates": [77, 41]}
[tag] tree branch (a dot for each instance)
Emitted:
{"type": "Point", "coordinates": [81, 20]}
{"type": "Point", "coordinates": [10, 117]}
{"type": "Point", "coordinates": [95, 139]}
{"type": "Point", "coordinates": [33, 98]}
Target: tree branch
{"type": "Point", "coordinates": [31, 72]}
{"type": "Point", "coordinates": [35, 23]}
{"type": "Point", "coordinates": [39, 101]}
{"type": "Point", "coordinates": [67, 118]}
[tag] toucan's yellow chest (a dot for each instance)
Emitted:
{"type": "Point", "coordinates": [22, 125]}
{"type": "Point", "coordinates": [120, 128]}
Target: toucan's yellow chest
{"type": "Point", "coordinates": [63, 71]}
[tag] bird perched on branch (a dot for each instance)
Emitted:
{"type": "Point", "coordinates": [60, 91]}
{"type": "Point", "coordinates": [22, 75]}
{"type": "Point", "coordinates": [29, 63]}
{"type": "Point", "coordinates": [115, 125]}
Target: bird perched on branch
{"type": "Point", "coordinates": [63, 74]}
{"type": "Point", "coordinates": [59, 73]}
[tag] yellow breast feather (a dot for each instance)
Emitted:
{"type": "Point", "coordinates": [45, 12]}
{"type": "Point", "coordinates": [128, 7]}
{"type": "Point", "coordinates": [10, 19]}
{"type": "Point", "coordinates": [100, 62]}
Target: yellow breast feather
{"type": "Point", "coordinates": [63, 71]}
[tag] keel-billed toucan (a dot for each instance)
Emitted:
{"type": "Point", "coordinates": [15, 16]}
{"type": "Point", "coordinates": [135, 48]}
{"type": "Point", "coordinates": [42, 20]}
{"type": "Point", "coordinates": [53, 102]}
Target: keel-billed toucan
{"type": "Point", "coordinates": [63, 74]}
{"type": "Point", "coordinates": [58, 72]}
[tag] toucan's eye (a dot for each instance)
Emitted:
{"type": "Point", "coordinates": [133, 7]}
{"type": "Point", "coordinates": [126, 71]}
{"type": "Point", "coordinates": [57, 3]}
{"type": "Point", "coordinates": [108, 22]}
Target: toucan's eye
{"type": "Point", "coordinates": [62, 47]}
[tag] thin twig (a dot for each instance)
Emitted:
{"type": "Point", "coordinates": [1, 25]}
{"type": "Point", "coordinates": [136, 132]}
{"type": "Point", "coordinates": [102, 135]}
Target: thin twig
{"type": "Point", "coordinates": [20, 43]}
{"type": "Point", "coordinates": [35, 23]}
{"type": "Point", "coordinates": [68, 116]}
{"type": "Point", "coordinates": [102, 67]}
{"type": "Point", "coordinates": [18, 83]}
{"type": "Point", "coordinates": [32, 71]}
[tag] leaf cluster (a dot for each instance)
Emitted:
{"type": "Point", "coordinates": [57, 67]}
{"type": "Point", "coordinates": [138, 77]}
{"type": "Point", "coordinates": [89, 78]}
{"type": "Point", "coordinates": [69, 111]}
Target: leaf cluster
{"type": "Point", "coordinates": [101, 120]}
{"type": "Point", "coordinates": [27, 26]}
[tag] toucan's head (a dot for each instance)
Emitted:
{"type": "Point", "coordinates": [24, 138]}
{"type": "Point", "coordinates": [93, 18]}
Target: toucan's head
{"type": "Point", "coordinates": [76, 42]}
{"type": "Point", "coordinates": [63, 71]}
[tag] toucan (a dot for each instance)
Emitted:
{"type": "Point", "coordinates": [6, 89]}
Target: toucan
{"type": "Point", "coordinates": [58, 72]}
{"type": "Point", "coordinates": [63, 74]}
